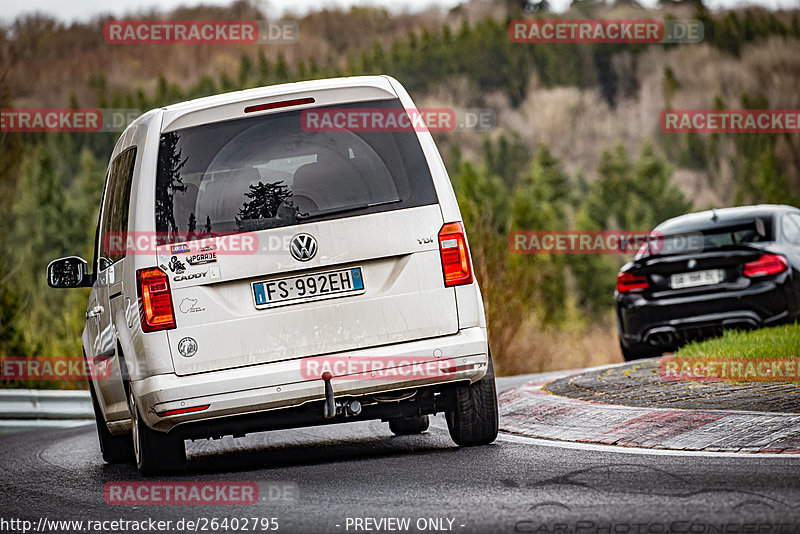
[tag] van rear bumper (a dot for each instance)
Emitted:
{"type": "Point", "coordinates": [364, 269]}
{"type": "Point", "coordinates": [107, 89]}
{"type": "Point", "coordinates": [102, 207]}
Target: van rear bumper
{"type": "Point", "coordinates": [288, 384]}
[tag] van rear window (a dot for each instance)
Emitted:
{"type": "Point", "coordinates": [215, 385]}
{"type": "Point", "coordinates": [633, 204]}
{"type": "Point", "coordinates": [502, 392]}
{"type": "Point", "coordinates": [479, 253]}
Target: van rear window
{"type": "Point", "coordinates": [269, 171]}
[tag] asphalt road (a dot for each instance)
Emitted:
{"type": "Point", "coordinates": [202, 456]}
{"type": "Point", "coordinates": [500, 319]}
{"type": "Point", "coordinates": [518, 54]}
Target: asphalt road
{"type": "Point", "coordinates": [314, 479]}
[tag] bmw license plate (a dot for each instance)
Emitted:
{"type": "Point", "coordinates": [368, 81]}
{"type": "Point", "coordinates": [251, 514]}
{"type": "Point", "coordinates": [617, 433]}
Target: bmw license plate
{"type": "Point", "coordinates": [302, 288]}
{"type": "Point", "coordinates": [696, 278]}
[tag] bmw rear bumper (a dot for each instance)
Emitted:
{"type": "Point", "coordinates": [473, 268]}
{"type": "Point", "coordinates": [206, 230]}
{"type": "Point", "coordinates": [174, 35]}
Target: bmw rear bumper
{"type": "Point", "coordinates": [671, 322]}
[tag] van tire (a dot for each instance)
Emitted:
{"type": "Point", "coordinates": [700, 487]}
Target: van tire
{"type": "Point", "coordinates": [474, 419]}
{"type": "Point", "coordinates": [115, 449]}
{"type": "Point", "coordinates": [156, 452]}
{"type": "Point", "coordinates": [407, 426]}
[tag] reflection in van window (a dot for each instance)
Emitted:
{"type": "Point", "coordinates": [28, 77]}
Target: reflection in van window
{"type": "Point", "coordinates": [267, 172]}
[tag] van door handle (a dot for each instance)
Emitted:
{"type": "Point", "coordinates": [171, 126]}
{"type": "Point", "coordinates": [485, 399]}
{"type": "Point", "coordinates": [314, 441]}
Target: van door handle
{"type": "Point", "coordinates": [94, 312]}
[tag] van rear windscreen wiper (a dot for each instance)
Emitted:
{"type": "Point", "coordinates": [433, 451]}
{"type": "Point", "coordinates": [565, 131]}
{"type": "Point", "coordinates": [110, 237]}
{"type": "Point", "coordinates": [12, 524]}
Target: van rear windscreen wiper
{"type": "Point", "coordinates": [342, 209]}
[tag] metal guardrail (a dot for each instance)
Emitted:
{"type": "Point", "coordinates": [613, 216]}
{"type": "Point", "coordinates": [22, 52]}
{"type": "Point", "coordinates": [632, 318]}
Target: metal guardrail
{"type": "Point", "coordinates": [26, 404]}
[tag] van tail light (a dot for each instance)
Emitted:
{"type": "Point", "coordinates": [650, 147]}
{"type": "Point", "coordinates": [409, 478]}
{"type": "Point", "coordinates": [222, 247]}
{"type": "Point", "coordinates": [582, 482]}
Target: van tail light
{"type": "Point", "coordinates": [155, 300]}
{"type": "Point", "coordinates": [456, 264]}
{"type": "Point", "coordinates": [630, 283]}
{"type": "Point", "coordinates": [766, 265]}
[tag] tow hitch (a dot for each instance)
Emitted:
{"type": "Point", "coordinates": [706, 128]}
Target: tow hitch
{"type": "Point", "coordinates": [334, 407]}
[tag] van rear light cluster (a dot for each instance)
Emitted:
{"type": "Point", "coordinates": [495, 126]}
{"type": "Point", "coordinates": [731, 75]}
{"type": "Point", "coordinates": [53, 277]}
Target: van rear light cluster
{"type": "Point", "coordinates": [155, 300]}
{"type": "Point", "coordinates": [456, 264]}
{"type": "Point", "coordinates": [630, 283]}
{"type": "Point", "coordinates": [766, 265]}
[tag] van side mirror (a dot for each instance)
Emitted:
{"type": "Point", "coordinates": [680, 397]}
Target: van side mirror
{"type": "Point", "coordinates": [68, 272]}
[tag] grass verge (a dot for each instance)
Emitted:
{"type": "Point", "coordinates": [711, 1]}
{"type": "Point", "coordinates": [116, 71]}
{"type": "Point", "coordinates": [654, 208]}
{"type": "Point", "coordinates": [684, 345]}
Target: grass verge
{"type": "Point", "coordinates": [774, 342]}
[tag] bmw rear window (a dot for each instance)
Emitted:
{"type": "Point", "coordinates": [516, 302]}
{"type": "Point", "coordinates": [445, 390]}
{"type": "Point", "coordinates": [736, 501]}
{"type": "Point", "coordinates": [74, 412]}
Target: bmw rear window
{"type": "Point", "coordinates": [675, 239]}
{"type": "Point", "coordinates": [269, 171]}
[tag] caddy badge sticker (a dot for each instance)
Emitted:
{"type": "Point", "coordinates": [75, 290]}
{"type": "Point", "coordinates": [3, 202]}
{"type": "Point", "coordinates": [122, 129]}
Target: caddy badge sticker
{"type": "Point", "coordinates": [192, 276]}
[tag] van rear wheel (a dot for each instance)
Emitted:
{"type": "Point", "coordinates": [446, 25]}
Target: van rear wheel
{"type": "Point", "coordinates": [474, 420]}
{"type": "Point", "coordinates": [156, 452]}
{"type": "Point", "coordinates": [115, 449]}
{"type": "Point", "coordinates": [407, 426]}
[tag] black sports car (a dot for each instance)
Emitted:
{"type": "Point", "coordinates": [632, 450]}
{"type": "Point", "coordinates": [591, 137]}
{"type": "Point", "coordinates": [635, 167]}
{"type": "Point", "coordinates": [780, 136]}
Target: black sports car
{"type": "Point", "coordinates": [704, 272]}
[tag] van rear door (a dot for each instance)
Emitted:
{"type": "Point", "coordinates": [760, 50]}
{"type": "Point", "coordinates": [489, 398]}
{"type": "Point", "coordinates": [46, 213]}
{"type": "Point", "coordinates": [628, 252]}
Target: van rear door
{"type": "Point", "coordinates": [282, 241]}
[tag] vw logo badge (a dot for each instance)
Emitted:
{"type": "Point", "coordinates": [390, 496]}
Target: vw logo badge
{"type": "Point", "coordinates": [303, 247]}
{"type": "Point", "coordinates": [692, 264]}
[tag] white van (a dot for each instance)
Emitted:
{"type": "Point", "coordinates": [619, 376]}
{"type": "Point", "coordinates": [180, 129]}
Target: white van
{"type": "Point", "coordinates": [256, 269]}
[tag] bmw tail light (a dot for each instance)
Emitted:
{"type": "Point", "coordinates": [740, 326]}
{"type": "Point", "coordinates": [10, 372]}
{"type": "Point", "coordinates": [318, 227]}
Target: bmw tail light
{"type": "Point", "coordinates": [766, 265]}
{"type": "Point", "coordinates": [456, 264]}
{"type": "Point", "coordinates": [155, 301]}
{"type": "Point", "coordinates": [630, 283]}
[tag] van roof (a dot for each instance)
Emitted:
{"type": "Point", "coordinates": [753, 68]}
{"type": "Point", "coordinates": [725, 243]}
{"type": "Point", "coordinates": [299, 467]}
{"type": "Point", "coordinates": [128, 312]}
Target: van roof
{"type": "Point", "coordinates": [231, 105]}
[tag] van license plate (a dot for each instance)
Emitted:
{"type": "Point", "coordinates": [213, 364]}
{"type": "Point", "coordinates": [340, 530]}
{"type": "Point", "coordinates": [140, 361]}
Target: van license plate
{"type": "Point", "coordinates": [696, 278]}
{"type": "Point", "coordinates": [308, 287]}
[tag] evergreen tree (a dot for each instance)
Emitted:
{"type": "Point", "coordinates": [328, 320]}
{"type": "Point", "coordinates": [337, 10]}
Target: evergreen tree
{"type": "Point", "coordinates": [245, 71]}
{"type": "Point", "coordinates": [281, 69]}
{"type": "Point", "coordinates": [264, 71]}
